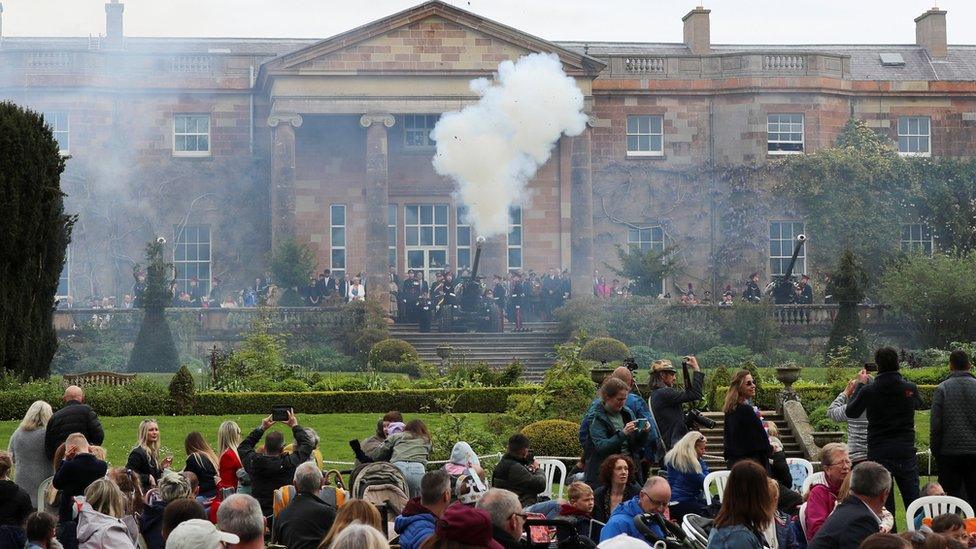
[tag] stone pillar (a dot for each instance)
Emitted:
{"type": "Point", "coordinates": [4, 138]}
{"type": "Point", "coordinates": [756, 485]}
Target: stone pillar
{"type": "Point", "coordinates": [377, 198]}
{"type": "Point", "coordinates": [283, 175]}
{"type": "Point", "coordinates": [581, 229]}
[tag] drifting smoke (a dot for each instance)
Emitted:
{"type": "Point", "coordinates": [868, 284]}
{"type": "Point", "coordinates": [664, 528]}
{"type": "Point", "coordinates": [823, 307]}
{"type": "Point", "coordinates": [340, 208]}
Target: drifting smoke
{"type": "Point", "coordinates": [493, 148]}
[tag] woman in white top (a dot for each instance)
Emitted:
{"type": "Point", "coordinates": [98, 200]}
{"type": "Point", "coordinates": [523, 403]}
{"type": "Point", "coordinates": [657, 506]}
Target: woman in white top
{"type": "Point", "coordinates": [356, 291]}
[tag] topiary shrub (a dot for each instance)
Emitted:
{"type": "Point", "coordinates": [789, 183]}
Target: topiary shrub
{"type": "Point", "coordinates": [392, 350]}
{"type": "Point", "coordinates": [182, 393]}
{"type": "Point", "coordinates": [553, 437]}
{"type": "Point", "coordinates": [605, 349]}
{"type": "Point", "coordinates": [732, 356]}
{"type": "Point", "coordinates": [366, 340]}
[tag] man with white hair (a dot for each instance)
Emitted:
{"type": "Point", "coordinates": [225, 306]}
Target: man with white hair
{"type": "Point", "coordinates": [507, 517]}
{"type": "Point", "coordinates": [652, 498]}
{"type": "Point", "coordinates": [198, 534]}
{"type": "Point", "coordinates": [240, 514]}
{"type": "Point", "coordinates": [74, 417]}
{"type": "Point", "coordinates": [304, 522]}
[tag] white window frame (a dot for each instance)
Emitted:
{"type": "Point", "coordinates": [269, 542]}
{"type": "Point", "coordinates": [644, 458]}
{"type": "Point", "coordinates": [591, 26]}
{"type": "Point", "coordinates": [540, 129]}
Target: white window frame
{"type": "Point", "coordinates": [179, 239]}
{"type": "Point", "coordinates": [197, 134]}
{"type": "Point", "coordinates": [782, 260]}
{"type": "Point", "coordinates": [462, 225]}
{"type": "Point", "coordinates": [60, 124]}
{"type": "Point", "coordinates": [410, 128]}
{"type": "Point", "coordinates": [917, 239]}
{"type": "Point", "coordinates": [635, 238]}
{"type": "Point", "coordinates": [649, 134]}
{"type": "Point", "coordinates": [909, 135]}
{"type": "Point", "coordinates": [391, 235]}
{"type": "Point", "coordinates": [65, 275]}
{"type": "Point", "coordinates": [512, 227]}
{"type": "Point", "coordinates": [777, 128]}
{"type": "Point", "coordinates": [333, 246]}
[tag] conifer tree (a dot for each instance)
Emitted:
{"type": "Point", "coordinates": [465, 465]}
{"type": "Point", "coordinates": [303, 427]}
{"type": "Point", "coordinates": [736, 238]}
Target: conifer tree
{"type": "Point", "coordinates": [848, 286]}
{"type": "Point", "coordinates": [154, 349]}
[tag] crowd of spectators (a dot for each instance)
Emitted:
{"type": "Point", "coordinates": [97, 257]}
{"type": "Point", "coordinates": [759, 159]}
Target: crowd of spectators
{"type": "Point", "coordinates": [639, 478]}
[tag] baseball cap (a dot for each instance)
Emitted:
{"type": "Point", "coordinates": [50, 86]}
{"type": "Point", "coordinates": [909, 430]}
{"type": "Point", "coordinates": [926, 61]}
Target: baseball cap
{"type": "Point", "coordinates": [198, 534]}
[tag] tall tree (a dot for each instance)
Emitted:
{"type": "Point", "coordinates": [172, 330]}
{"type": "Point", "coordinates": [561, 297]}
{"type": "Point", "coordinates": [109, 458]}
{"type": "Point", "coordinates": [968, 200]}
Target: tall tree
{"type": "Point", "coordinates": [154, 349]}
{"type": "Point", "coordinates": [292, 263]}
{"type": "Point", "coordinates": [646, 269]}
{"type": "Point", "coordinates": [848, 285]}
{"type": "Point", "coordinates": [35, 234]}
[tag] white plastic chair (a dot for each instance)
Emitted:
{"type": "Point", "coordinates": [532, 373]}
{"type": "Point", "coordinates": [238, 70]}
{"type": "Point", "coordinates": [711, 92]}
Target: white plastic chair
{"type": "Point", "coordinates": [719, 479]}
{"type": "Point", "coordinates": [933, 506]}
{"type": "Point", "coordinates": [549, 467]}
{"type": "Point", "coordinates": [800, 469]}
{"type": "Point", "coordinates": [808, 482]}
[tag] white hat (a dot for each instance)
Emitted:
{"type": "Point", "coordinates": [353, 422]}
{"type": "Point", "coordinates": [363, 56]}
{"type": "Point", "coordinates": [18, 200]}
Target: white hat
{"type": "Point", "coordinates": [198, 534]}
{"type": "Point", "coordinates": [623, 541]}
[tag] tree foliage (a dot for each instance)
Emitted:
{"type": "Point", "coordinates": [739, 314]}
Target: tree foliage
{"type": "Point", "coordinates": [938, 294]}
{"type": "Point", "coordinates": [292, 263]}
{"type": "Point", "coordinates": [154, 349]}
{"type": "Point", "coordinates": [36, 232]}
{"type": "Point", "coordinates": [853, 195]}
{"type": "Point", "coordinates": [848, 286]}
{"type": "Point", "coordinates": [646, 269]}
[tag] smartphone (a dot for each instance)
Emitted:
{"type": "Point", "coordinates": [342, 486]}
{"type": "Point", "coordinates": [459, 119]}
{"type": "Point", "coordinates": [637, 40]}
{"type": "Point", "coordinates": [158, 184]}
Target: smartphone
{"type": "Point", "coordinates": [641, 423]}
{"type": "Point", "coordinates": [280, 413]}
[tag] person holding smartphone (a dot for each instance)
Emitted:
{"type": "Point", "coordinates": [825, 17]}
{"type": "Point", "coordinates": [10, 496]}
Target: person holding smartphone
{"type": "Point", "coordinates": [614, 428]}
{"type": "Point", "coordinates": [144, 458]}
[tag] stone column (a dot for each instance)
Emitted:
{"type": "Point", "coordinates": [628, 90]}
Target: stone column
{"type": "Point", "coordinates": [283, 175]}
{"type": "Point", "coordinates": [377, 197]}
{"type": "Point", "coordinates": [581, 230]}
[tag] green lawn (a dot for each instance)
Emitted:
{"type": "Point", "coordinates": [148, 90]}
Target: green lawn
{"type": "Point", "coordinates": [335, 430]}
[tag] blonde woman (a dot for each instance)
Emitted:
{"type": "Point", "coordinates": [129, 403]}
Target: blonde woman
{"type": "Point", "coordinates": [228, 439]}
{"type": "Point", "coordinates": [100, 522]}
{"type": "Point", "coordinates": [31, 465]}
{"type": "Point", "coordinates": [355, 511]}
{"type": "Point", "coordinates": [360, 536]}
{"type": "Point", "coordinates": [144, 458]}
{"type": "Point", "coordinates": [745, 436]}
{"type": "Point", "coordinates": [686, 474]}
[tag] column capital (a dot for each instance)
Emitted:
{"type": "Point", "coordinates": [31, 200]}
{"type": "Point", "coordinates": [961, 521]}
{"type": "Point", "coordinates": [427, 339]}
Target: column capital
{"type": "Point", "coordinates": [591, 120]}
{"type": "Point", "coordinates": [292, 118]}
{"type": "Point", "coordinates": [369, 119]}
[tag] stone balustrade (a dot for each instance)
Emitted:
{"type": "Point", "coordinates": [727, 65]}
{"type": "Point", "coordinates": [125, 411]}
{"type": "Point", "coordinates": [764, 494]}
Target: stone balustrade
{"type": "Point", "coordinates": [729, 65]}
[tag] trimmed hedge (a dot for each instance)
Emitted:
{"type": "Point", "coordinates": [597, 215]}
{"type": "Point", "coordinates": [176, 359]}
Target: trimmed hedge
{"type": "Point", "coordinates": [475, 399]}
{"type": "Point", "coordinates": [604, 349]}
{"type": "Point", "coordinates": [141, 397]}
{"type": "Point", "coordinates": [392, 350]}
{"type": "Point", "coordinates": [554, 437]}
{"type": "Point", "coordinates": [811, 395]}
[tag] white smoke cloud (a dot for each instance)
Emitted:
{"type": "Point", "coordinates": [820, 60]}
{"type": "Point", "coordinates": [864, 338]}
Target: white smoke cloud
{"type": "Point", "coordinates": [493, 148]}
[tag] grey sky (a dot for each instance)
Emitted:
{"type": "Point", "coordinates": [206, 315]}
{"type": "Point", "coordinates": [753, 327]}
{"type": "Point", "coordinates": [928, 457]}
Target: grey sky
{"type": "Point", "coordinates": [732, 21]}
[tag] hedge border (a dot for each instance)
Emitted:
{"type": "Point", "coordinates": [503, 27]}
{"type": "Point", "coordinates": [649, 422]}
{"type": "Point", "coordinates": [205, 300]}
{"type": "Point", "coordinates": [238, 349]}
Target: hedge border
{"type": "Point", "coordinates": [811, 396]}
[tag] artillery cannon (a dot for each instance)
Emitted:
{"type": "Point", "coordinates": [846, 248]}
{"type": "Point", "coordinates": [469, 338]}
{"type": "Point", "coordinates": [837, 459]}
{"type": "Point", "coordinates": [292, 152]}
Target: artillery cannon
{"type": "Point", "coordinates": [465, 308]}
{"type": "Point", "coordinates": [783, 288]}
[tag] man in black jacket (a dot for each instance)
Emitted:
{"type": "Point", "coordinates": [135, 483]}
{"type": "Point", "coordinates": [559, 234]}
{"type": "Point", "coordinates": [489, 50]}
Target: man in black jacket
{"type": "Point", "coordinates": [953, 428]}
{"type": "Point", "coordinates": [858, 516]}
{"type": "Point", "coordinates": [305, 521]}
{"type": "Point", "coordinates": [518, 473]}
{"type": "Point", "coordinates": [666, 401]}
{"type": "Point", "coordinates": [890, 402]}
{"type": "Point", "coordinates": [74, 417]}
{"type": "Point", "coordinates": [272, 469]}
{"type": "Point", "coordinates": [78, 469]}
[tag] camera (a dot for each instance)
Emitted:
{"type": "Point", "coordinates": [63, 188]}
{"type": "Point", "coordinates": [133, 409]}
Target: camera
{"type": "Point", "coordinates": [694, 418]}
{"type": "Point", "coordinates": [631, 363]}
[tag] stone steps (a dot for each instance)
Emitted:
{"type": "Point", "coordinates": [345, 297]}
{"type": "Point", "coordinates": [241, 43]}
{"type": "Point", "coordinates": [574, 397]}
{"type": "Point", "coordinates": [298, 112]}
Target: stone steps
{"type": "Point", "coordinates": [715, 444]}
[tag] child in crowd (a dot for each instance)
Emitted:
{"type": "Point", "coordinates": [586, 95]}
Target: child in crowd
{"type": "Point", "coordinates": [579, 510]}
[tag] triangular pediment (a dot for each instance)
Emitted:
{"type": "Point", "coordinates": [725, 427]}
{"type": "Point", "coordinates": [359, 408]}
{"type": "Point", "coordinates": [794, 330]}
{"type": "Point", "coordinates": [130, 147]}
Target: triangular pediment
{"type": "Point", "coordinates": [432, 37]}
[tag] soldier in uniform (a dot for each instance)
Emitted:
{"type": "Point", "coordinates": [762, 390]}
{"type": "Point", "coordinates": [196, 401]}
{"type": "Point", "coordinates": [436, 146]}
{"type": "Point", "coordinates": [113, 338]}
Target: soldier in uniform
{"type": "Point", "coordinates": [517, 300]}
{"type": "Point", "coordinates": [804, 292]}
{"type": "Point", "coordinates": [411, 293]}
{"type": "Point", "coordinates": [423, 308]}
{"type": "Point", "coordinates": [551, 293]}
{"type": "Point", "coordinates": [753, 293]}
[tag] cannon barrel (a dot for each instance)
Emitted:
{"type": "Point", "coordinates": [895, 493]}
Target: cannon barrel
{"type": "Point", "coordinates": [783, 288]}
{"type": "Point", "coordinates": [478, 243]}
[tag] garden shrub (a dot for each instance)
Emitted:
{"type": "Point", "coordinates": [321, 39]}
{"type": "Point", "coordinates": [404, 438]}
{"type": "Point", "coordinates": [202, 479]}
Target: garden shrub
{"type": "Point", "coordinates": [586, 314]}
{"type": "Point", "coordinates": [715, 378]}
{"type": "Point", "coordinates": [355, 319]}
{"type": "Point", "coordinates": [411, 368]}
{"type": "Point", "coordinates": [645, 356]}
{"type": "Point", "coordinates": [933, 357]}
{"type": "Point", "coordinates": [291, 386]}
{"type": "Point", "coordinates": [392, 350]}
{"type": "Point", "coordinates": [141, 397]}
{"type": "Point", "coordinates": [604, 349]}
{"type": "Point", "coordinates": [733, 357]}
{"type": "Point", "coordinates": [181, 392]}
{"type": "Point", "coordinates": [751, 325]}
{"type": "Point", "coordinates": [554, 437]}
{"type": "Point", "coordinates": [820, 422]}
{"type": "Point", "coordinates": [366, 340]}
{"type": "Point", "coordinates": [323, 358]}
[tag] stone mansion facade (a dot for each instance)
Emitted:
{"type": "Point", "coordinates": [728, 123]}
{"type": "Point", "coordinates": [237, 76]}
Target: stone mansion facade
{"type": "Point", "coordinates": [226, 146]}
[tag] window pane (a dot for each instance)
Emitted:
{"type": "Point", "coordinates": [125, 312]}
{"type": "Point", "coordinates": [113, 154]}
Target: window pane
{"type": "Point", "coordinates": [440, 236]}
{"type": "Point", "coordinates": [415, 259]}
{"type": "Point", "coordinates": [656, 124]}
{"type": "Point", "coordinates": [411, 215]}
{"type": "Point", "coordinates": [440, 215]}
{"type": "Point", "coordinates": [338, 214]}
{"type": "Point", "coordinates": [515, 236]}
{"type": "Point", "coordinates": [656, 143]}
{"type": "Point", "coordinates": [426, 236]}
{"type": "Point", "coordinates": [338, 259]}
{"type": "Point", "coordinates": [515, 215]}
{"type": "Point", "coordinates": [903, 144]}
{"type": "Point", "coordinates": [514, 258]}
{"type": "Point", "coordinates": [426, 215]}
{"type": "Point", "coordinates": [923, 125]}
{"type": "Point", "coordinates": [643, 142]}
{"type": "Point", "coordinates": [632, 143]}
{"type": "Point", "coordinates": [464, 236]}
{"type": "Point", "coordinates": [643, 124]}
{"type": "Point", "coordinates": [338, 236]}
{"type": "Point", "coordinates": [412, 236]}
{"type": "Point", "coordinates": [464, 258]}
{"type": "Point", "coordinates": [631, 124]}
{"type": "Point", "coordinates": [391, 258]}
{"type": "Point", "coordinates": [391, 215]}
{"type": "Point", "coordinates": [437, 258]}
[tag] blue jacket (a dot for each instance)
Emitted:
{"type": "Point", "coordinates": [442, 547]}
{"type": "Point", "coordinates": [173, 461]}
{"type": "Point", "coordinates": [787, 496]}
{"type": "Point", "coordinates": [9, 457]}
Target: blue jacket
{"type": "Point", "coordinates": [414, 529]}
{"type": "Point", "coordinates": [622, 521]}
{"type": "Point", "coordinates": [733, 537]}
{"type": "Point", "coordinates": [639, 406]}
{"type": "Point", "coordinates": [688, 487]}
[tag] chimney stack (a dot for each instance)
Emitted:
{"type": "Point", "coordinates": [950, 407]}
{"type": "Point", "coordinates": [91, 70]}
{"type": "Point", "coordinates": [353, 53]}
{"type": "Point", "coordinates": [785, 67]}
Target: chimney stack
{"type": "Point", "coordinates": [930, 31]}
{"type": "Point", "coordinates": [113, 24]}
{"type": "Point", "coordinates": [697, 32]}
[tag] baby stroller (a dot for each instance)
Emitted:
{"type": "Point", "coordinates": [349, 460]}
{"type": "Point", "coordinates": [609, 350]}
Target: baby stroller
{"type": "Point", "coordinates": [381, 484]}
{"type": "Point", "coordinates": [697, 528]}
{"type": "Point", "coordinates": [674, 536]}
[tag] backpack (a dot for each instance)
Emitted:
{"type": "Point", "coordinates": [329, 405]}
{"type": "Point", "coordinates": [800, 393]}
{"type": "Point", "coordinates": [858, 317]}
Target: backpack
{"type": "Point", "coordinates": [379, 482]}
{"type": "Point", "coordinates": [333, 495]}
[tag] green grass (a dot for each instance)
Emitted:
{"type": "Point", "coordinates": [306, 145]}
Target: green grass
{"type": "Point", "coordinates": [335, 430]}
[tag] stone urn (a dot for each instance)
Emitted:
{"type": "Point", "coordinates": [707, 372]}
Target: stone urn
{"type": "Point", "coordinates": [823, 438]}
{"type": "Point", "coordinates": [444, 353]}
{"type": "Point", "coordinates": [787, 374]}
{"type": "Point", "coordinates": [599, 373]}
